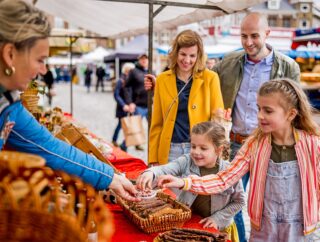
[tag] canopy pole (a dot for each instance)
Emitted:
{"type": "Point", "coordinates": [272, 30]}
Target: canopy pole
{"type": "Point", "coordinates": [150, 54]}
{"type": "Point", "coordinates": [117, 68]}
{"type": "Point", "coordinates": [72, 40]}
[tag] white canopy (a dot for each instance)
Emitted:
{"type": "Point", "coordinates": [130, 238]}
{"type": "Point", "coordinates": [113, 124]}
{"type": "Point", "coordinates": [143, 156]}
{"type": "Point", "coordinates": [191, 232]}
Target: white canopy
{"type": "Point", "coordinates": [114, 19]}
{"type": "Point", "coordinates": [96, 55]}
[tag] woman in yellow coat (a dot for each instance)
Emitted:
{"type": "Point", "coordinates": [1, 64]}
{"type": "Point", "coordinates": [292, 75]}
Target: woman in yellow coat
{"type": "Point", "coordinates": [185, 95]}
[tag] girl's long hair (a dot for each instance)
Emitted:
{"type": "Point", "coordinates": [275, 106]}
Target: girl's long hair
{"type": "Point", "coordinates": [292, 96]}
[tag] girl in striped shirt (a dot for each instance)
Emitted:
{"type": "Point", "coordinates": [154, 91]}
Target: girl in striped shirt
{"type": "Point", "coordinates": [283, 156]}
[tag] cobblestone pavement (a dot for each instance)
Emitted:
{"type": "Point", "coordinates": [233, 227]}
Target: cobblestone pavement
{"type": "Point", "coordinates": [96, 110]}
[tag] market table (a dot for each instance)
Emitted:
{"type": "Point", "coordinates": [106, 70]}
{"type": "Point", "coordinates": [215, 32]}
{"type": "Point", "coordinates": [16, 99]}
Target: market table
{"type": "Point", "coordinates": [125, 230]}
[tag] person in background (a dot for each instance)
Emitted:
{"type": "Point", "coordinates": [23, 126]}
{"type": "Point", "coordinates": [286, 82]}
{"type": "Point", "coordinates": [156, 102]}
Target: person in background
{"type": "Point", "coordinates": [122, 107]}
{"type": "Point", "coordinates": [24, 47]}
{"type": "Point", "coordinates": [208, 155]}
{"type": "Point", "coordinates": [135, 95]}
{"type": "Point", "coordinates": [48, 79]}
{"type": "Point", "coordinates": [211, 62]}
{"type": "Point", "coordinates": [100, 73]}
{"type": "Point", "coordinates": [283, 157]}
{"type": "Point", "coordinates": [185, 95]}
{"type": "Point", "coordinates": [87, 77]}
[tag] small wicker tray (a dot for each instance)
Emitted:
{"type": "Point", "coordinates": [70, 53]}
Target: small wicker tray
{"type": "Point", "coordinates": [161, 223]}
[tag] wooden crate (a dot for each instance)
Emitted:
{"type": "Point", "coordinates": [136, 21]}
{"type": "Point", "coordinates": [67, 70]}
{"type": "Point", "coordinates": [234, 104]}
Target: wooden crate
{"type": "Point", "coordinates": [73, 136]}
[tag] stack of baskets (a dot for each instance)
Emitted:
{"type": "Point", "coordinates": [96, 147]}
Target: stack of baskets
{"type": "Point", "coordinates": [38, 204]}
{"type": "Point", "coordinates": [30, 100]}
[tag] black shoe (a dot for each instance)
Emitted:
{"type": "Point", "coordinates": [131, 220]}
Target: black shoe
{"type": "Point", "coordinates": [139, 147]}
{"type": "Point", "coordinates": [115, 144]}
{"type": "Point", "coordinates": [123, 148]}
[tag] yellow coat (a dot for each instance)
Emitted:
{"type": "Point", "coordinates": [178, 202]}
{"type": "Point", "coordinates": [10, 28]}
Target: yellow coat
{"type": "Point", "coordinates": [205, 97]}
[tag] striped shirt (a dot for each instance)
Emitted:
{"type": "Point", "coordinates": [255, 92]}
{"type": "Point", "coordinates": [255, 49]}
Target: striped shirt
{"type": "Point", "coordinates": [254, 156]}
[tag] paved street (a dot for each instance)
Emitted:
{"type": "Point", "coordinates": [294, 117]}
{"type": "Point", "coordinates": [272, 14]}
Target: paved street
{"type": "Point", "coordinates": [96, 110]}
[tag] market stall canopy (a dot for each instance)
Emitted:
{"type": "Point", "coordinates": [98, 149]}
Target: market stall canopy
{"type": "Point", "coordinates": [306, 37]}
{"type": "Point", "coordinates": [96, 55]}
{"type": "Point", "coordinates": [130, 51]}
{"type": "Point", "coordinates": [119, 19]}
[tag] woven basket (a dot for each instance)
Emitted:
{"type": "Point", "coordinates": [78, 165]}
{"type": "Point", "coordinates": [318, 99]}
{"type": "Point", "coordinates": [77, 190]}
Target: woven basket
{"type": "Point", "coordinates": [214, 237]}
{"type": "Point", "coordinates": [161, 223]}
{"type": "Point", "coordinates": [35, 205]}
{"type": "Point", "coordinates": [30, 102]}
{"type": "Point", "coordinates": [31, 92]}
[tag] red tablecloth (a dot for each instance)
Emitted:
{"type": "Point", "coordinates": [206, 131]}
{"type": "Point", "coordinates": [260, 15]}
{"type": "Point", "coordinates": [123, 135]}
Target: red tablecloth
{"type": "Point", "coordinates": [126, 163]}
{"type": "Point", "coordinates": [125, 230]}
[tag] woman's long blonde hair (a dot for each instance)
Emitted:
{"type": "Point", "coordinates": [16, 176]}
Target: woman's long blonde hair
{"type": "Point", "coordinates": [22, 24]}
{"type": "Point", "coordinates": [292, 96]}
{"type": "Point", "coordinates": [187, 38]}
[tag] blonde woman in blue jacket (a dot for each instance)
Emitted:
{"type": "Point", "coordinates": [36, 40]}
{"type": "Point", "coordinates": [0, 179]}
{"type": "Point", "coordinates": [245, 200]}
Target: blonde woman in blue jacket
{"type": "Point", "coordinates": [208, 144]}
{"type": "Point", "coordinates": [185, 95]}
{"type": "Point", "coordinates": [24, 46]}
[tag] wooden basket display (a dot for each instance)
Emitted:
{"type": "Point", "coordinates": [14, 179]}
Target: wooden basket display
{"type": "Point", "coordinates": [73, 136]}
{"type": "Point", "coordinates": [38, 204]}
{"type": "Point", "coordinates": [160, 223]}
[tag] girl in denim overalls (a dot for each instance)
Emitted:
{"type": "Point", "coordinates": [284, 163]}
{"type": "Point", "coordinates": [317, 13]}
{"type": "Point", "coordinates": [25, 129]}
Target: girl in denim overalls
{"type": "Point", "coordinates": [283, 157]}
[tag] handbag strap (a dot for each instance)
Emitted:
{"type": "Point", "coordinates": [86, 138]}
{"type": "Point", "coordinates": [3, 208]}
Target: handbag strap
{"type": "Point", "coordinates": [176, 97]}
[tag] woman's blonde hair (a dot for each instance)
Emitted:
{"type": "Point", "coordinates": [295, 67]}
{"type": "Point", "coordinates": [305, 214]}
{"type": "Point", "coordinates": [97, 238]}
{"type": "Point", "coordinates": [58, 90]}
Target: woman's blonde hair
{"type": "Point", "coordinates": [215, 132]}
{"type": "Point", "coordinates": [22, 24]}
{"type": "Point", "coordinates": [127, 67]}
{"type": "Point", "coordinates": [292, 96]}
{"type": "Point", "coordinates": [187, 38]}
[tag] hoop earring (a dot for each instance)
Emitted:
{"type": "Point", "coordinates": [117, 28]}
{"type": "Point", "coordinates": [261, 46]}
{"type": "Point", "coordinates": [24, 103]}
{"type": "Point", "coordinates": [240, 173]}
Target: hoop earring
{"type": "Point", "coordinates": [9, 71]}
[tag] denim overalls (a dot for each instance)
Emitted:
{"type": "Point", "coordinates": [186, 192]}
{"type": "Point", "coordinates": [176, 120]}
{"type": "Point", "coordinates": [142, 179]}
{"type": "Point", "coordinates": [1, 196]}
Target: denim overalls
{"type": "Point", "coordinates": [282, 217]}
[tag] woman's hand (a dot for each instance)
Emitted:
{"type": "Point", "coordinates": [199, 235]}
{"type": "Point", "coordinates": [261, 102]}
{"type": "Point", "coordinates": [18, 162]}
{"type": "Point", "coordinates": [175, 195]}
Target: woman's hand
{"type": "Point", "coordinates": [124, 188]}
{"type": "Point", "coordinates": [208, 223]}
{"type": "Point", "coordinates": [126, 108]}
{"type": "Point", "coordinates": [167, 181]}
{"type": "Point", "coordinates": [144, 181]}
{"type": "Point", "coordinates": [149, 82]}
{"type": "Point", "coordinates": [132, 107]}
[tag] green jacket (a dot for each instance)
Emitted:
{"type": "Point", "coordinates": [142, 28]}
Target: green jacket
{"type": "Point", "coordinates": [230, 71]}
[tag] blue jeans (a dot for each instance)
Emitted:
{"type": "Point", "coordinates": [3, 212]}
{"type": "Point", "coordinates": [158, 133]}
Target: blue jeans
{"type": "Point", "coordinates": [238, 218]}
{"type": "Point", "coordinates": [116, 131]}
{"type": "Point", "coordinates": [116, 134]}
{"type": "Point", "coordinates": [177, 150]}
{"type": "Point", "coordinates": [141, 111]}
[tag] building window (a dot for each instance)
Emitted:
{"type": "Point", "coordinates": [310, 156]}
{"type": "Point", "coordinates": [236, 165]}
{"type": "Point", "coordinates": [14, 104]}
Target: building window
{"type": "Point", "coordinates": [305, 8]}
{"type": "Point", "coordinates": [286, 22]}
{"type": "Point", "coordinates": [273, 21]}
{"type": "Point", "coordinates": [304, 24]}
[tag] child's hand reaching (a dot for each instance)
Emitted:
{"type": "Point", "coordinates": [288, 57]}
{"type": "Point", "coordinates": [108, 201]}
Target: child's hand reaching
{"type": "Point", "coordinates": [208, 223]}
{"type": "Point", "coordinates": [167, 181]}
{"type": "Point", "coordinates": [144, 181]}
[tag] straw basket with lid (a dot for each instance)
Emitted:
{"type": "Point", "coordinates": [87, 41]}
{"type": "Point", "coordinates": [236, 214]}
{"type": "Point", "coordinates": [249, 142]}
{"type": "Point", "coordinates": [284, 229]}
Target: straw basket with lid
{"type": "Point", "coordinates": [34, 208]}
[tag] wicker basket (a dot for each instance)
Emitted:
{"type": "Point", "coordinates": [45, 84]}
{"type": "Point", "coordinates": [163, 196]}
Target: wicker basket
{"type": "Point", "coordinates": [214, 237]}
{"type": "Point", "coordinates": [30, 102]}
{"type": "Point", "coordinates": [161, 223]}
{"type": "Point", "coordinates": [37, 206]}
